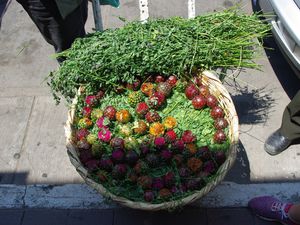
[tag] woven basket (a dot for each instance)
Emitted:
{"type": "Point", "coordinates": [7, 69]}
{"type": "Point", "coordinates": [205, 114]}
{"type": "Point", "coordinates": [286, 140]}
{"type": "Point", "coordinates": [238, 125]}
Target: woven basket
{"type": "Point", "coordinates": [217, 89]}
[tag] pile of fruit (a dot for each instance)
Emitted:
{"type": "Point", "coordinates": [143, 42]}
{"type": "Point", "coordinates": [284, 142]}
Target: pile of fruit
{"type": "Point", "coordinates": [152, 141]}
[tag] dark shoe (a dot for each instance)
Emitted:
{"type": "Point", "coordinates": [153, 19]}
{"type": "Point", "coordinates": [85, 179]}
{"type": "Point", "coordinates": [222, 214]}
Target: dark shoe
{"type": "Point", "coordinates": [276, 143]}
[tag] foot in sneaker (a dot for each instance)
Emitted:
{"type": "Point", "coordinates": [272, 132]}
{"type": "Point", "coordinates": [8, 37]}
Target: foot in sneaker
{"type": "Point", "coordinates": [272, 209]}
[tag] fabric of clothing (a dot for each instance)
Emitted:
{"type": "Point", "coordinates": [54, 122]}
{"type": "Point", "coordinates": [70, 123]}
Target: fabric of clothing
{"type": "Point", "coordinates": [3, 6]}
{"type": "Point", "coordinates": [65, 7]}
{"type": "Point", "coordinates": [290, 127]}
{"type": "Point", "coordinates": [57, 30]}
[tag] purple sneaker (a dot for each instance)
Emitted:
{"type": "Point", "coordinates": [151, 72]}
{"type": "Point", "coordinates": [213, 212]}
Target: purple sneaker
{"type": "Point", "coordinates": [271, 209]}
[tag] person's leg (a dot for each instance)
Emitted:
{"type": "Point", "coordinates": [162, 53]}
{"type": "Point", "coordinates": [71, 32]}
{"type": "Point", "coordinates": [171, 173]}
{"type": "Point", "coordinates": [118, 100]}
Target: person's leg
{"type": "Point", "coordinates": [289, 131]}
{"type": "Point", "coordinates": [46, 18]}
{"type": "Point", "coordinates": [57, 31]}
{"type": "Point", "coordinates": [294, 213]}
{"type": "Point", "coordinates": [3, 6]}
{"type": "Point", "coordinates": [73, 24]}
{"type": "Point", "coordinates": [290, 126]}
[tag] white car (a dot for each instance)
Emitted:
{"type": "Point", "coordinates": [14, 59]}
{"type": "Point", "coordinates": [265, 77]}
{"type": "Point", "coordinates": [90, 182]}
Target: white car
{"type": "Point", "coordinates": [284, 16]}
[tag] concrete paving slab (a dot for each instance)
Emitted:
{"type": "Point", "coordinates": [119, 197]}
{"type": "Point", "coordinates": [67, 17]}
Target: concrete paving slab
{"type": "Point", "coordinates": [12, 196]}
{"type": "Point", "coordinates": [76, 196]}
{"type": "Point", "coordinates": [260, 106]}
{"type": "Point", "coordinates": [166, 9]}
{"type": "Point", "coordinates": [240, 171]}
{"type": "Point", "coordinates": [44, 155]}
{"type": "Point", "coordinates": [25, 62]}
{"type": "Point", "coordinates": [230, 194]}
{"type": "Point", "coordinates": [91, 217]}
{"type": "Point", "coordinates": [14, 116]}
{"type": "Point", "coordinates": [81, 196]}
{"type": "Point", "coordinates": [266, 168]}
{"type": "Point", "coordinates": [217, 5]}
{"type": "Point", "coordinates": [260, 99]}
{"type": "Point", "coordinates": [45, 217]}
{"type": "Point", "coordinates": [20, 57]}
{"type": "Point", "coordinates": [258, 221]}
{"type": "Point", "coordinates": [11, 217]}
{"type": "Point", "coordinates": [230, 216]}
{"type": "Point", "coordinates": [135, 217]}
{"type": "Point", "coordinates": [24, 91]}
{"type": "Point", "coordinates": [129, 10]}
{"type": "Point", "coordinates": [104, 217]}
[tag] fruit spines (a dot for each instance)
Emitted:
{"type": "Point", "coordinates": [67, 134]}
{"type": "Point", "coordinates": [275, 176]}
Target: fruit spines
{"type": "Point", "coordinates": [135, 97]}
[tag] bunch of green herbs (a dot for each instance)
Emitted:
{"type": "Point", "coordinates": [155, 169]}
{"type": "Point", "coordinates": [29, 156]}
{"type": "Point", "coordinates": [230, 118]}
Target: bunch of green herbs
{"type": "Point", "coordinates": [176, 46]}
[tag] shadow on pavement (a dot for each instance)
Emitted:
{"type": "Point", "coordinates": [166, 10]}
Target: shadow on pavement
{"type": "Point", "coordinates": [252, 106]}
{"type": "Point", "coordinates": [240, 171]}
{"type": "Point", "coordinates": [286, 75]}
{"type": "Point", "coordinates": [13, 178]}
{"type": "Point", "coordinates": [283, 70]}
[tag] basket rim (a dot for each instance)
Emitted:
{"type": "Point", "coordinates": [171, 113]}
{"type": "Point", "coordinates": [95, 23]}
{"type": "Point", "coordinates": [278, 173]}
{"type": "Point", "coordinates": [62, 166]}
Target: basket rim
{"type": "Point", "coordinates": [210, 76]}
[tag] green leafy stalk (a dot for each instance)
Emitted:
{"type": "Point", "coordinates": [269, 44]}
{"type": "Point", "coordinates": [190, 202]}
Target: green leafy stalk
{"type": "Point", "coordinates": [167, 46]}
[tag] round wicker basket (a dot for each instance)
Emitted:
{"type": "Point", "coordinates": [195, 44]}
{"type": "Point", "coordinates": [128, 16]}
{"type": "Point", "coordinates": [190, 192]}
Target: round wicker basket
{"type": "Point", "coordinates": [216, 88]}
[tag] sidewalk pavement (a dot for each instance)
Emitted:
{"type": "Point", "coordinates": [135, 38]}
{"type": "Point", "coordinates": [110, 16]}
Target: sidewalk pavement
{"type": "Point", "coordinates": [32, 143]}
{"type": "Point", "coordinates": [188, 216]}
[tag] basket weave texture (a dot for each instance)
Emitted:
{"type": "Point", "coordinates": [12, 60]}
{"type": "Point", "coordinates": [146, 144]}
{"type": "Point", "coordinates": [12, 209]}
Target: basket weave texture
{"type": "Point", "coordinates": [225, 101]}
